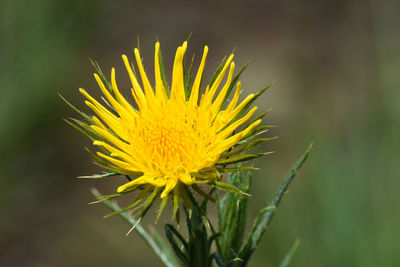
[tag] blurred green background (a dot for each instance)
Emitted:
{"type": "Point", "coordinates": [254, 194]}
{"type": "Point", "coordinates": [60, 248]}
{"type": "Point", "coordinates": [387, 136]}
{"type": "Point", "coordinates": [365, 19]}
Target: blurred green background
{"type": "Point", "coordinates": [337, 69]}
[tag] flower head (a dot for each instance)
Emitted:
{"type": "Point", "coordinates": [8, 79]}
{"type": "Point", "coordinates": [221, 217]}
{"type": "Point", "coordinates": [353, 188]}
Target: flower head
{"type": "Point", "coordinates": [172, 139]}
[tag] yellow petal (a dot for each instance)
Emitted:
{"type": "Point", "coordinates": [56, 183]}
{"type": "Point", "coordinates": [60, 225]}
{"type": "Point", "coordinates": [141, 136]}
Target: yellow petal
{"type": "Point", "coordinates": [120, 98]}
{"type": "Point", "coordinates": [196, 84]}
{"type": "Point", "coordinates": [225, 133]}
{"type": "Point", "coordinates": [146, 84]}
{"type": "Point", "coordinates": [118, 107]}
{"type": "Point", "coordinates": [160, 89]}
{"type": "Point", "coordinates": [210, 95]}
{"type": "Point", "coordinates": [177, 87]}
{"type": "Point", "coordinates": [187, 179]}
{"type": "Point", "coordinates": [168, 188]}
{"type": "Point", "coordinates": [233, 140]}
{"type": "Point", "coordinates": [136, 87]}
{"type": "Point", "coordinates": [137, 181]}
{"type": "Point", "coordinates": [218, 101]}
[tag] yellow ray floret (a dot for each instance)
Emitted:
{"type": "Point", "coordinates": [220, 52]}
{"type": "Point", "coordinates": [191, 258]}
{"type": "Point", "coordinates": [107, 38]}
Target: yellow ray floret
{"type": "Point", "coordinates": [171, 137]}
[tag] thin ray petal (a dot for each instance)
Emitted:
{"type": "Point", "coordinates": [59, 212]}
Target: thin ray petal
{"type": "Point", "coordinates": [146, 84]}
{"type": "Point", "coordinates": [196, 85]}
{"type": "Point", "coordinates": [136, 87]}
{"type": "Point", "coordinates": [160, 89]}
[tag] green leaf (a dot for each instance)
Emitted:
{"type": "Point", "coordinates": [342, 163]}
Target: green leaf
{"type": "Point", "coordinates": [164, 203]}
{"type": "Point", "coordinates": [232, 214]}
{"type": "Point", "coordinates": [172, 230]}
{"type": "Point", "coordinates": [241, 158]}
{"type": "Point", "coordinates": [134, 206]}
{"type": "Point", "coordinates": [189, 36]}
{"type": "Point", "coordinates": [149, 202]}
{"type": "Point", "coordinates": [204, 194]}
{"type": "Point", "coordinates": [265, 216]}
{"type": "Point", "coordinates": [288, 258]}
{"type": "Point", "coordinates": [164, 254]}
{"type": "Point", "coordinates": [105, 198]}
{"type": "Point", "coordinates": [102, 163]}
{"type": "Point", "coordinates": [188, 79]}
{"type": "Point", "coordinates": [146, 205]}
{"type": "Point", "coordinates": [237, 169]}
{"type": "Point", "coordinates": [92, 132]}
{"type": "Point", "coordinates": [176, 198]}
{"type": "Point", "coordinates": [102, 76]}
{"type": "Point", "coordinates": [112, 196]}
{"type": "Point", "coordinates": [246, 146]}
{"type": "Point", "coordinates": [175, 247]}
{"type": "Point", "coordinates": [99, 176]}
{"type": "Point", "coordinates": [79, 129]}
{"type": "Point", "coordinates": [228, 187]}
{"type": "Point", "coordinates": [87, 117]}
{"type": "Point", "coordinates": [87, 128]}
{"type": "Point", "coordinates": [199, 245]}
{"type": "Point", "coordinates": [254, 133]}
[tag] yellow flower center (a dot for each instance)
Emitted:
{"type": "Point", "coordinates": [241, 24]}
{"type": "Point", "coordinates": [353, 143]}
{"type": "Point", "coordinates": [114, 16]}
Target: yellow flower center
{"type": "Point", "coordinates": [168, 138]}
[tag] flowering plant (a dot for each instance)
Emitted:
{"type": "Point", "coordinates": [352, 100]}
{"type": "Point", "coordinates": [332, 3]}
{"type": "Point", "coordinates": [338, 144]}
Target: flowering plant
{"type": "Point", "coordinates": [174, 145]}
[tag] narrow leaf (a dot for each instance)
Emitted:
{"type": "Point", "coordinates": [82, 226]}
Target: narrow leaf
{"type": "Point", "coordinates": [87, 117]}
{"type": "Point", "coordinates": [87, 128]}
{"type": "Point", "coordinates": [236, 169]}
{"type": "Point", "coordinates": [265, 216]}
{"type": "Point", "coordinates": [98, 161]}
{"type": "Point", "coordinates": [102, 76]}
{"type": "Point", "coordinates": [146, 205]}
{"type": "Point", "coordinates": [288, 258]}
{"type": "Point", "coordinates": [138, 199]}
{"type": "Point", "coordinates": [188, 80]}
{"type": "Point", "coordinates": [254, 133]}
{"type": "Point", "coordinates": [99, 176]}
{"type": "Point", "coordinates": [228, 187]}
{"type": "Point", "coordinates": [245, 147]}
{"type": "Point", "coordinates": [204, 194]}
{"type": "Point", "coordinates": [171, 228]}
{"type": "Point", "coordinates": [174, 245]}
{"type": "Point", "coordinates": [79, 129]}
{"type": "Point", "coordinates": [164, 203]}
{"type": "Point", "coordinates": [241, 158]}
{"type": "Point", "coordinates": [232, 214]}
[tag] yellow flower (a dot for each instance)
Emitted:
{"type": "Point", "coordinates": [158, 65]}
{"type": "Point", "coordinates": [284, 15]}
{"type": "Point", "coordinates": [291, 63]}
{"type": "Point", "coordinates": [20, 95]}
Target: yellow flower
{"type": "Point", "coordinates": [173, 138]}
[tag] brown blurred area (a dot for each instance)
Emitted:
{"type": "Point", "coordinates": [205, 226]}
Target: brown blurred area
{"type": "Point", "coordinates": [336, 64]}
